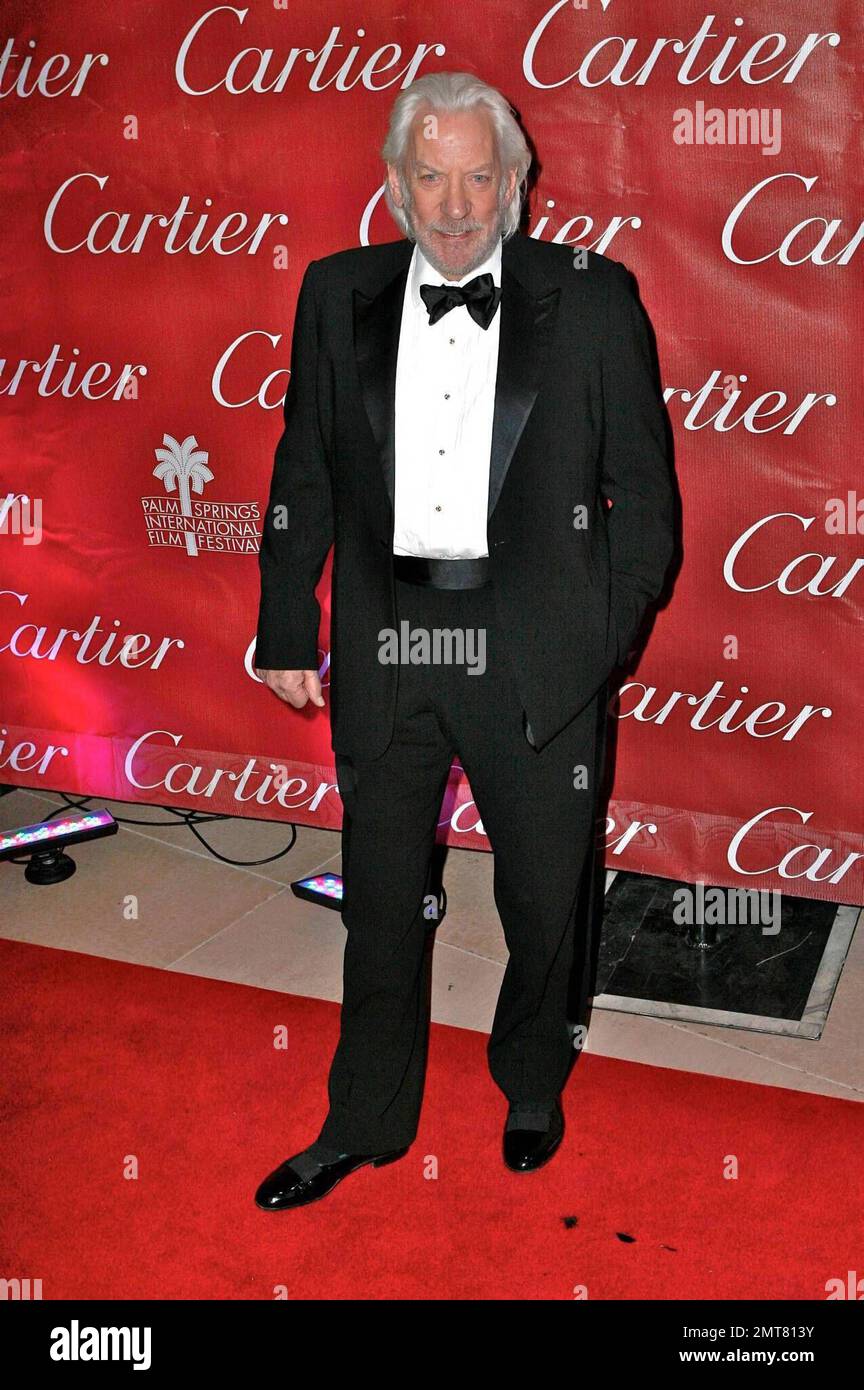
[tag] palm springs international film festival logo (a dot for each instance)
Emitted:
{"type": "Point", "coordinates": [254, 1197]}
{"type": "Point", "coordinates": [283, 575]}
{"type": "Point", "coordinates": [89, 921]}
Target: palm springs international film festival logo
{"type": "Point", "coordinates": [178, 518]}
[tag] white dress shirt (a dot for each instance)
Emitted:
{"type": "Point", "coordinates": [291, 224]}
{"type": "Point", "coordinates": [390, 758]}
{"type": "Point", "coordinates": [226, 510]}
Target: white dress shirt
{"type": "Point", "coordinates": [445, 402]}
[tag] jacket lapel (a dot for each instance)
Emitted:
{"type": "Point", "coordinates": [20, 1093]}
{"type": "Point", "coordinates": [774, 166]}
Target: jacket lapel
{"type": "Point", "coordinates": [528, 313]}
{"type": "Point", "coordinates": [377, 321]}
{"type": "Point", "coordinates": [527, 326]}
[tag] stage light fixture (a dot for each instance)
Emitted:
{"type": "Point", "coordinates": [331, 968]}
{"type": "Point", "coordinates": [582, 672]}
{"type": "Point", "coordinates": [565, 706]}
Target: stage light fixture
{"type": "Point", "coordinates": [327, 890]}
{"type": "Point", "coordinates": [40, 846]}
{"type": "Point", "coordinates": [320, 888]}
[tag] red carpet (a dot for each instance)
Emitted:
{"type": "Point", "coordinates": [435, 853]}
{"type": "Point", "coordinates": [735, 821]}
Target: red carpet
{"type": "Point", "coordinates": [103, 1060]}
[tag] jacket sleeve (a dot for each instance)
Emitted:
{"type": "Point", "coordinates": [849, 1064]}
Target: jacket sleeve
{"type": "Point", "coordinates": [298, 525]}
{"type": "Point", "coordinates": [637, 467]}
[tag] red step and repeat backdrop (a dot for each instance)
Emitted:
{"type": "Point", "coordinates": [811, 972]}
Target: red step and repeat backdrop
{"type": "Point", "coordinates": [168, 170]}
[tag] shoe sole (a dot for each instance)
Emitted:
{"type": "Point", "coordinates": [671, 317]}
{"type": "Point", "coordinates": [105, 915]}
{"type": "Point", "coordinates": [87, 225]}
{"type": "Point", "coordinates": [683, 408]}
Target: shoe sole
{"type": "Point", "coordinates": [374, 1162]}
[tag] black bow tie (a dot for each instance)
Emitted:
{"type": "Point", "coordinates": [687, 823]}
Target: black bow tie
{"type": "Point", "coordinates": [480, 296]}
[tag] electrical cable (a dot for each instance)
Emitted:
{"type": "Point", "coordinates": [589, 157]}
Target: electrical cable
{"type": "Point", "coordinates": [191, 819]}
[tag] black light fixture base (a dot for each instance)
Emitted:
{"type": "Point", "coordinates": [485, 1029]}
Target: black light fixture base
{"type": "Point", "coordinates": [49, 866]}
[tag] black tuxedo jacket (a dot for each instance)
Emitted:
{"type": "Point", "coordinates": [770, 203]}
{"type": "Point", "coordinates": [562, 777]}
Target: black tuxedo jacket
{"type": "Point", "coordinates": [578, 418]}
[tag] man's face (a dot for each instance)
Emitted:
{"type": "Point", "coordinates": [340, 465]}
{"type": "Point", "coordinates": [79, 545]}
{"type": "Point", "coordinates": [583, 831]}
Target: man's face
{"type": "Point", "coordinates": [453, 177]}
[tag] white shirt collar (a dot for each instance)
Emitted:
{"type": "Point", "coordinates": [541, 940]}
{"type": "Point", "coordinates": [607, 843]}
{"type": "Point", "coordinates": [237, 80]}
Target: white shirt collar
{"type": "Point", "coordinates": [422, 273]}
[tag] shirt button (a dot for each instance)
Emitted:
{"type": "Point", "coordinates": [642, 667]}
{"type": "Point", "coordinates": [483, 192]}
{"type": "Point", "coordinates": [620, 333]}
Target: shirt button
{"type": "Point", "coordinates": [452, 340]}
{"type": "Point", "coordinates": [446, 395]}
{"type": "Point", "coordinates": [437, 509]}
{"type": "Point", "coordinates": [440, 451]}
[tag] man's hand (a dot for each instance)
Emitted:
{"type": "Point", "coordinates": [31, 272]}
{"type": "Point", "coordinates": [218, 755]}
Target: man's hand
{"type": "Point", "coordinates": [296, 688]}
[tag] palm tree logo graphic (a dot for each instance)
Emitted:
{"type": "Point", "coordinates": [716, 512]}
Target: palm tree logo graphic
{"type": "Point", "coordinates": [183, 466]}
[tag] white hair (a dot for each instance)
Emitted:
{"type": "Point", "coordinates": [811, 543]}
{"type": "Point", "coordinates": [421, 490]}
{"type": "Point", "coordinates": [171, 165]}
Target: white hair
{"type": "Point", "coordinates": [457, 91]}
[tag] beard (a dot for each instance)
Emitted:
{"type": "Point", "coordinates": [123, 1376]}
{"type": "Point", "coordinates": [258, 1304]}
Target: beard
{"type": "Point", "coordinates": [463, 260]}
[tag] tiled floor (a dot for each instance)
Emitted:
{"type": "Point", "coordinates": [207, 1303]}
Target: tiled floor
{"type": "Point", "coordinates": [152, 894]}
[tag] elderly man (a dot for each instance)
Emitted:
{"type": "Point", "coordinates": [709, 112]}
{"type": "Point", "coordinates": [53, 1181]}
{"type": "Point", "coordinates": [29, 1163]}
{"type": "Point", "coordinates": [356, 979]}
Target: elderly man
{"type": "Point", "coordinates": [463, 406]}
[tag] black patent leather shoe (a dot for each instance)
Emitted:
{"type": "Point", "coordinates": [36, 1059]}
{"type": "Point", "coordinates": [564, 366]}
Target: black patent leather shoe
{"type": "Point", "coordinates": [307, 1177]}
{"type": "Point", "coordinates": [527, 1149]}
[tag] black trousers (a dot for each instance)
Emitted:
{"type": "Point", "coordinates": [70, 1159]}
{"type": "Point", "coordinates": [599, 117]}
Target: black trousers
{"type": "Point", "coordinates": [538, 810]}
